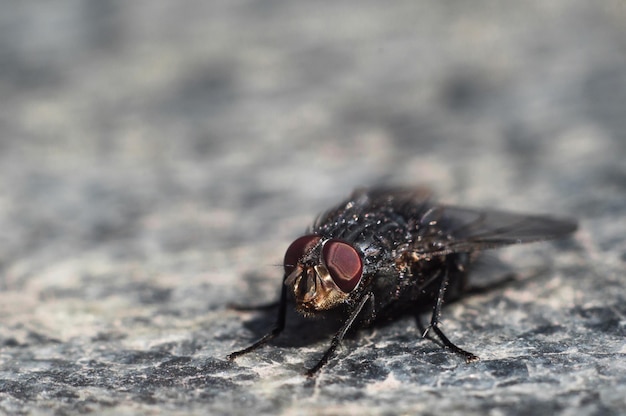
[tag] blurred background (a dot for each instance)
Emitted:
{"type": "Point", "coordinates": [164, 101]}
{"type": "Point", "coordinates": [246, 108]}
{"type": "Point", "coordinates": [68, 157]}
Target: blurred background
{"type": "Point", "coordinates": [157, 157]}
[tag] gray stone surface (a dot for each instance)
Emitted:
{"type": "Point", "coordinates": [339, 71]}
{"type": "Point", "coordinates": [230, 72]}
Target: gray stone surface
{"type": "Point", "coordinates": [156, 159]}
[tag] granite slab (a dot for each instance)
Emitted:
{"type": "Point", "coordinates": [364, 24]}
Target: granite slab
{"type": "Point", "coordinates": [157, 158]}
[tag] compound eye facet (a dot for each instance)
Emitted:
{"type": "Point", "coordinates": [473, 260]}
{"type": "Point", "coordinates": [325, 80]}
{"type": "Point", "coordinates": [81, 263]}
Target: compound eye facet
{"type": "Point", "coordinates": [343, 263]}
{"type": "Point", "coordinates": [297, 250]}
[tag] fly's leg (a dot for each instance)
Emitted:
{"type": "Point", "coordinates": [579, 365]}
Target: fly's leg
{"type": "Point", "coordinates": [434, 322]}
{"type": "Point", "coordinates": [338, 337]}
{"type": "Point", "coordinates": [248, 308]}
{"type": "Point", "coordinates": [469, 357]}
{"type": "Point", "coordinates": [278, 328]}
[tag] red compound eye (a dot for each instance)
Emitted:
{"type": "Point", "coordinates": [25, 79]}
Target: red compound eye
{"type": "Point", "coordinates": [343, 263]}
{"type": "Point", "coordinates": [297, 249]}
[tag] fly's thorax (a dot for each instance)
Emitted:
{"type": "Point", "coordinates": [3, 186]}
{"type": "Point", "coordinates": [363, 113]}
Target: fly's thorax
{"type": "Point", "coordinates": [321, 272]}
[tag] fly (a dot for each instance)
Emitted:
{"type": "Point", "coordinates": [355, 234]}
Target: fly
{"type": "Point", "coordinates": [385, 251]}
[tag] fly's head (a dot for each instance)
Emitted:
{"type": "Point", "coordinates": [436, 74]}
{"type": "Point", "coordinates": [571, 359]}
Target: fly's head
{"type": "Point", "coordinates": [321, 272]}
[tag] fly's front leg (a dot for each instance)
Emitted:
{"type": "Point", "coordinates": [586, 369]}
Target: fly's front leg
{"type": "Point", "coordinates": [434, 321]}
{"type": "Point", "coordinates": [338, 337]}
{"type": "Point", "coordinates": [278, 327]}
{"type": "Point", "coordinates": [249, 308]}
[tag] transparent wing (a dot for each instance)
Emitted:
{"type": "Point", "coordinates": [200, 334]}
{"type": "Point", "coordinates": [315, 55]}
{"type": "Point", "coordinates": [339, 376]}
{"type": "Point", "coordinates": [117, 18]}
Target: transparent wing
{"type": "Point", "coordinates": [474, 230]}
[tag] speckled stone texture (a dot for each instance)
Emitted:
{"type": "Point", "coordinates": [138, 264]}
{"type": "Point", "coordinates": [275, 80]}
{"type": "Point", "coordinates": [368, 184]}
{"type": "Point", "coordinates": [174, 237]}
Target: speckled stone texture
{"type": "Point", "coordinates": [156, 159]}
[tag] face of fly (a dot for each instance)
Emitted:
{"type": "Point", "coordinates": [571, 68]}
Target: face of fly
{"type": "Point", "coordinates": [321, 273]}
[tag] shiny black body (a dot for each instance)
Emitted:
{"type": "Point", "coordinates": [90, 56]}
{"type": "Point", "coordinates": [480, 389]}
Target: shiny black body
{"type": "Point", "coordinates": [386, 227]}
{"type": "Point", "coordinates": [415, 254]}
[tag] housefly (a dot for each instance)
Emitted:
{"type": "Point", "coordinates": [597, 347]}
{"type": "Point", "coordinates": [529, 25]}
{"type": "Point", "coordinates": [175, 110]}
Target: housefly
{"type": "Point", "coordinates": [384, 251]}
